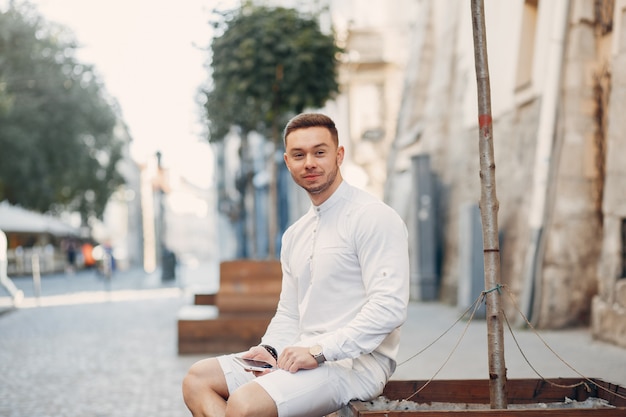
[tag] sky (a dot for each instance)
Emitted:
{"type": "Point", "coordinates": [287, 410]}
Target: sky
{"type": "Point", "coordinates": [151, 56]}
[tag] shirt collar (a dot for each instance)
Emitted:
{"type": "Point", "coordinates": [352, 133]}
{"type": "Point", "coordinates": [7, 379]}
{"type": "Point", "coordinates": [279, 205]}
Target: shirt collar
{"type": "Point", "coordinates": [341, 191]}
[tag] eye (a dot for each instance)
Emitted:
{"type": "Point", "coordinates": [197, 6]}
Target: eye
{"type": "Point", "coordinates": [320, 153]}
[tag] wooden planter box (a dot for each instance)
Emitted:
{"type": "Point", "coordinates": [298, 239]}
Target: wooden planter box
{"type": "Point", "coordinates": [520, 391]}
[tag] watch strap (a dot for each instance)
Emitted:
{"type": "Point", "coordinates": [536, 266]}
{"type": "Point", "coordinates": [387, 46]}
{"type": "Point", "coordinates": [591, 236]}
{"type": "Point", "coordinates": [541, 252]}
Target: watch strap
{"type": "Point", "coordinates": [271, 350]}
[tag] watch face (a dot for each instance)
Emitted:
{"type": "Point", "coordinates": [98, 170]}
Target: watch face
{"type": "Point", "coordinates": [316, 350]}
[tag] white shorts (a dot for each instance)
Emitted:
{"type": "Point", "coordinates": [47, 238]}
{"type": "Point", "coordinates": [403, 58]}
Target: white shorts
{"type": "Point", "coordinates": [320, 391]}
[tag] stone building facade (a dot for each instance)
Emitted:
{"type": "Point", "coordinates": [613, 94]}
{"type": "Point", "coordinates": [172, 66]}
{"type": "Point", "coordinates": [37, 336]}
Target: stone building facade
{"type": "Point", "coordinates": [557, 92]}
{"type": "Point", "coordinates": [609, 304]}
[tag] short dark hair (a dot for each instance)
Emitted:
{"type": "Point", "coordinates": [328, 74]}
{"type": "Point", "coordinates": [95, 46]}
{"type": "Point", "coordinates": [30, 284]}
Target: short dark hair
{"type": "Point", "coordinates": [304, 120]}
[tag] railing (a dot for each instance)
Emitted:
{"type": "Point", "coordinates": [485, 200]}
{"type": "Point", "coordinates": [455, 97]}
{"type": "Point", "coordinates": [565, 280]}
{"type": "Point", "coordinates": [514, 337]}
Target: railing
{"type": "Point", "coordinates": [49, 260]}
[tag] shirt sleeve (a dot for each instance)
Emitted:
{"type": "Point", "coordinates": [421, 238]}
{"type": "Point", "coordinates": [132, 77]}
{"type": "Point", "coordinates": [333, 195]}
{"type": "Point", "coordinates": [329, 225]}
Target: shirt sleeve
{"type": "Point", "coordinates": [283, 328]}
{"type": "Point", "coordinates": [380, 239]}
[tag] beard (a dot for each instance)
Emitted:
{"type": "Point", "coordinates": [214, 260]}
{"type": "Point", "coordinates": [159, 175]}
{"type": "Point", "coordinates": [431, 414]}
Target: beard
{"type": "Point", "coordinates": [318, 188]}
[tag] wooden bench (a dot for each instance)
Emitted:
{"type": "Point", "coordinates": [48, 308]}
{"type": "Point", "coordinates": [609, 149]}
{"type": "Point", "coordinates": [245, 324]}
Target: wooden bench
{"type": "Point", "coordinates": [204, 298]}
{"type": "Point", "coordinates": [237, 316]}
{"type": "Point", "coordinates": [249, 287]}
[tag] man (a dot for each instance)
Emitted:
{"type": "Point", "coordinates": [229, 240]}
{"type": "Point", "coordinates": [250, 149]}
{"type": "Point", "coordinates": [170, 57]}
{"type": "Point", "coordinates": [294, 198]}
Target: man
{"type": "Point", "coordinates": [344, 296]}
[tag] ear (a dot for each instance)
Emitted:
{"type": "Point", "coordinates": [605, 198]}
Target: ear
{"type": "Point", "coordinates": [286, 163]}
{"type": "Point", "coordinates": [340, 154]}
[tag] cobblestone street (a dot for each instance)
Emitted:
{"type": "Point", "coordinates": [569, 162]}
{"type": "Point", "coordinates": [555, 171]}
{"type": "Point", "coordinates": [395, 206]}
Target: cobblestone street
{"type": "Point", "coordinates": [93, 352]}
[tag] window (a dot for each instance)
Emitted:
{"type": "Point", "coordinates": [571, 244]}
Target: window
{"type": "Point", "coordinates": [527, 44]}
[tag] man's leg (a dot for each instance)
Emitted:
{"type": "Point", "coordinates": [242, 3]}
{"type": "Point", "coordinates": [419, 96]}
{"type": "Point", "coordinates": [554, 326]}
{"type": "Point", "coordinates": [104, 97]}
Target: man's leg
{"type": "Point", "coordinates": [6, 282]}
{"type": "Point", "coordinates": [251, 400]}
{"type": "Point", "coordinates": [206, 392]}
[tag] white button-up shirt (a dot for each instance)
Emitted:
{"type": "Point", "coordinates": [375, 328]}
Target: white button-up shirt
{"type": "Point", "coordinates": [345, 278]}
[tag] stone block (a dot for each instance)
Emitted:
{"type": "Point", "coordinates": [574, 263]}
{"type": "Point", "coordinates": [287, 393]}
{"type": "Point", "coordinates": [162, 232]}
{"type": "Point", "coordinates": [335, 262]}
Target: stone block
{"type": "Point", "coordinates": [608, 322]}
{"type": "Point", "coordinates": [620, 293]}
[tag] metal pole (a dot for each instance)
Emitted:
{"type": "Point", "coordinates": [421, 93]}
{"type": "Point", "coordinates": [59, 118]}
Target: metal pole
{"type": "Point", "coordinates": [36, 275]}
{"type": "Point", "coordinates": [489, 214]}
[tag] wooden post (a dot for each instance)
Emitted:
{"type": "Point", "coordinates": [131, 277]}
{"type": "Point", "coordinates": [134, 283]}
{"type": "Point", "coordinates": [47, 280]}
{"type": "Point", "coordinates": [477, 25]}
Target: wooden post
{"type": "Point", "coordinates": [489, 214]}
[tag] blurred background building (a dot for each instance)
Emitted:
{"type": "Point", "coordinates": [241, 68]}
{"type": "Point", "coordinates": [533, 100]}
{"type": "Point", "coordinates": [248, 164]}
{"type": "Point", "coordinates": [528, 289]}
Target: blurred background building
{"type": "Point", "coordinates": [556, 91]}
{"type": "Point", "coordinates": [408, 111]}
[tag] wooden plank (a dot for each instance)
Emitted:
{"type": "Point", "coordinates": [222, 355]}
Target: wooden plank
{"type": "Point", "coordinates": [610, 392]}
{"type": "Point", "coordinates": [477, 391]}
{"type": "Point", "coordinates": [204, 299]}
{"type": "Point", "coordinates": [225, 333]}
{"type": "Point", "coordinates": [248, 269]}
{"type": "Point", "coordinates": [553, 412]}
{"type": "Point", "coordinates": [521, 391]}
{"type": "Point", "coordinates": [230, 326]}
{"type": "Point", "coordinates": [247, 303]}
{"type": "Point", "coordinates": [248, 286]}
{"type": "Point", "coordinates": [211, 347]}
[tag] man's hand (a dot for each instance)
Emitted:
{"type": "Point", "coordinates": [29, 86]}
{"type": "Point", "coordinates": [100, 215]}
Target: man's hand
{"type": "Point", "coordinates": [294, 358]}
{"type": "Point", "coordinates": [261, 354]}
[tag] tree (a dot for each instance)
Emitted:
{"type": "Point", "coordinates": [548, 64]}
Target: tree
{"type": "Point", "coordinates": [268, 64]}
{"type": "Point", "coordinates": [489, 213]}
{"type": "Point", "coordinates": [58, 144]}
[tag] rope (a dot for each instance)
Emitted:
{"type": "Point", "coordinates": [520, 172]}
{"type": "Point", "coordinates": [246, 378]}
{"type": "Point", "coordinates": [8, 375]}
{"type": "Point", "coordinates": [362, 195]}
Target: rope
{"type": "Point", "coordinates": [438, 338]}
{"type": "Point", "coordinates": [474, 307]}
{"type": "Point", "coordinates": [587, 379]}
{"type": "Point", "coordinates": [506, 319]}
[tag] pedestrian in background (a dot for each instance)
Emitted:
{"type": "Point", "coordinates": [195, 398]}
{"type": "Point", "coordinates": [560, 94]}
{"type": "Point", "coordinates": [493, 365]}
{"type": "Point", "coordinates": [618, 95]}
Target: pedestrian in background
{"type": "Point", "coordinates": [345, 291]}
{"type": "Point", "coordinates": [5, 281]}
{"type": "Point", "coordinates": [71, 256]}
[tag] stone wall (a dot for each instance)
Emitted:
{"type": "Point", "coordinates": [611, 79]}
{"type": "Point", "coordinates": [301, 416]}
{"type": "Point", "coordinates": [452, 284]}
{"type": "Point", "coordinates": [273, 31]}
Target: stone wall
{"type": "Point", "coordinates": [609, 305]}
{"type": "Point", "coordinates": [573, 230]}
{"type": "Point", "coordinates": [567, 273]}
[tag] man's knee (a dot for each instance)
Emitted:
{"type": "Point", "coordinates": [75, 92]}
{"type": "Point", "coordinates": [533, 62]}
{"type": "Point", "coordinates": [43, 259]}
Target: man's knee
{"type": "Point", "coordinates": [191, 386]}
{"type": "Point", "coordinates": [190, 382]}
{"type": "Point", "coordinates": [251, 400]}
{"type": "Point", "coordinates": [204, 376]}
{"type": "Point", "coordinates": [194, 376]}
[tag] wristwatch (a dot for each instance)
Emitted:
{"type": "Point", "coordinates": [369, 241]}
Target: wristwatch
{"type": "Point", "coordinates": [318, 354]}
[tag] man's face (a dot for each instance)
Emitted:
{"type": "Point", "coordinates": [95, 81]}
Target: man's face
{"type": "Point", "coordinates": [313, 160]}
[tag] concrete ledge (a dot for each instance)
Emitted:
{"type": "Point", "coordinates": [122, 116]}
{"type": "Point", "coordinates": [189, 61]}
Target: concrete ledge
{"type": "Point", "coordinates": [197, 312]}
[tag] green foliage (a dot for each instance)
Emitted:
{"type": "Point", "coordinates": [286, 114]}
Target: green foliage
{"type": "Point", "coordinates": [58, 148]}
{"type": "Point", "coordinates": [268, 63]}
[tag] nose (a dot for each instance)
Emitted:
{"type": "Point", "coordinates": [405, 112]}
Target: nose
{"type": "Point", "coordinates": [309, 161]}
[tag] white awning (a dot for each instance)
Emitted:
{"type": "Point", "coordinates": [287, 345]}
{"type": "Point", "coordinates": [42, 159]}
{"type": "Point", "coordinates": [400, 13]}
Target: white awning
{"type": "Point", "coordinates": [18, 219]}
